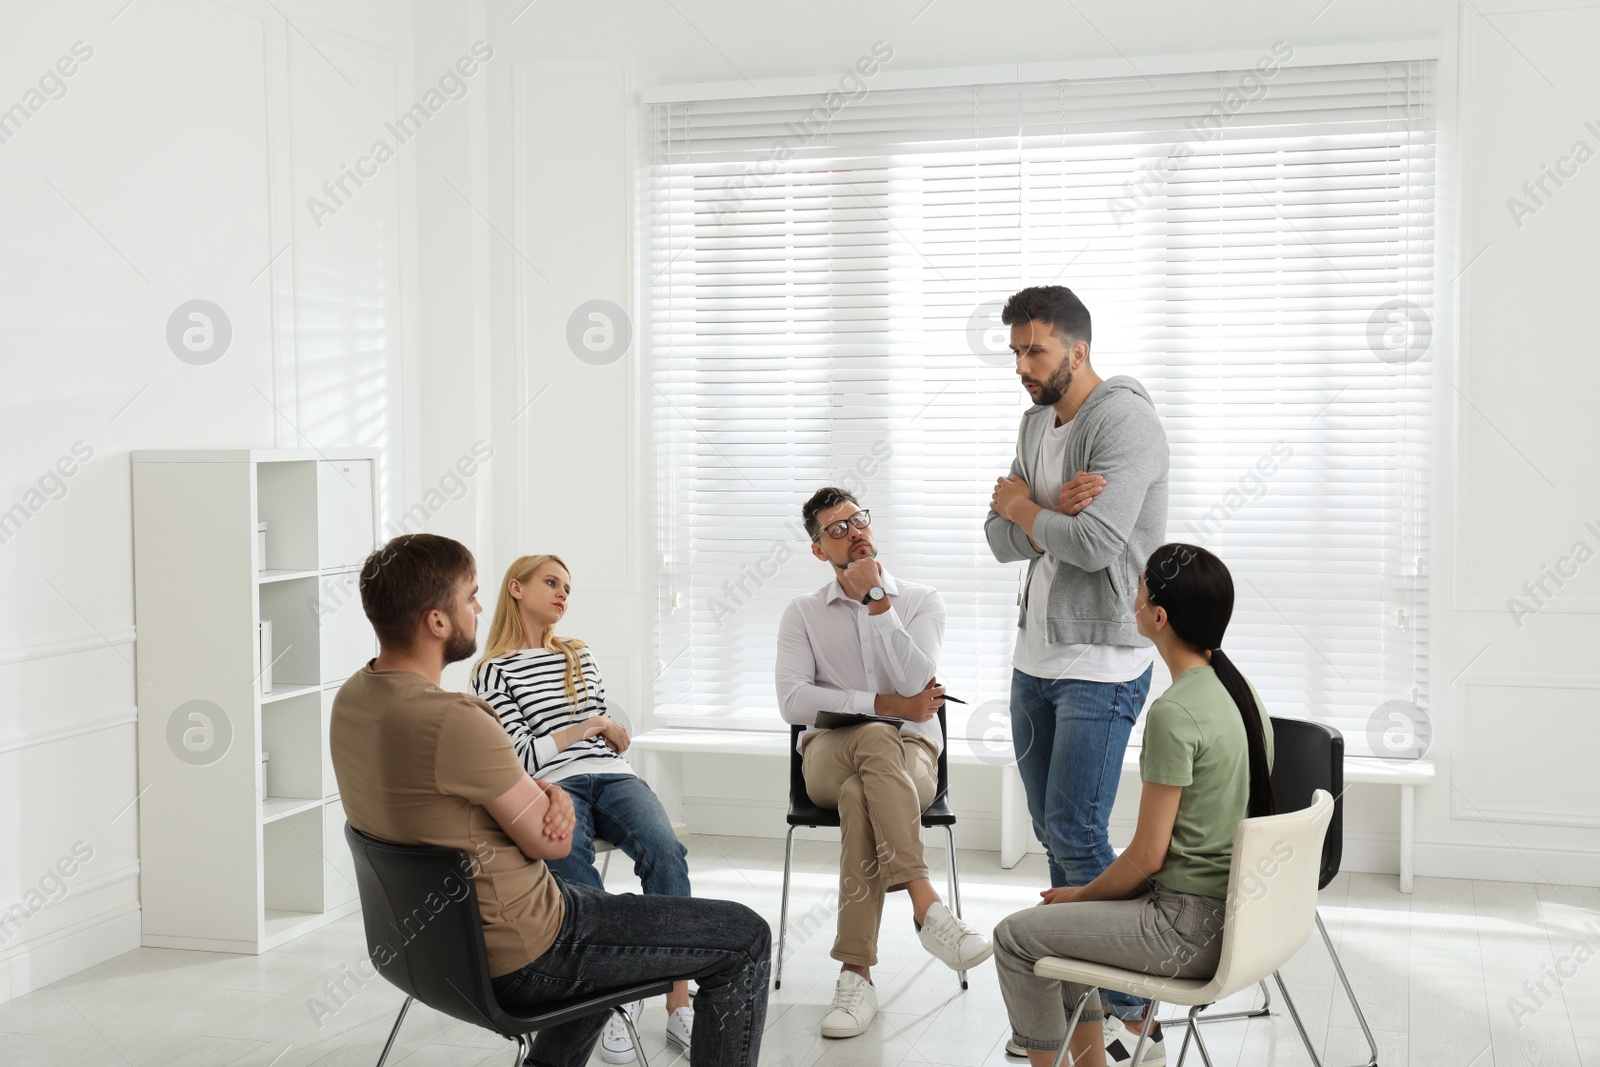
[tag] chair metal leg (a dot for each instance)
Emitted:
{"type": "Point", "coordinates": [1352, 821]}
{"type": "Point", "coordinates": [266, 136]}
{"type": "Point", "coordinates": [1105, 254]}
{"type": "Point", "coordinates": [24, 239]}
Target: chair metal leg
{"type": "Point", "coordinates": [1288, 1002]}
{"type": "Point", "coordinates": [605, 864]}
{"type": "Point", "coordinates": [783, 911]}
{"type": "Point", "coordinates": [1072, 1027]}
{"type": "Point", "coordinates": [1187, 1034]}
{"type": "Point", "coordinates": [955, 872]}
{"type": "Point", "coordinates": [524, 1049]}
{"type": "Point", "coordinates": [955, 891]}
{"type": "Point", "coordinates": [398, 1019]}
{"type": "Point", "coordinates": [1199, 1040]}
{"type": "Point", "coordinates": [1254, 1013]}
{"type": "Point", "coordinates": [1338, 967]}
{"type": "Point", "coordinates": [1144, 1038]}
{"type": "Point", "coordinates": [638, 1046]}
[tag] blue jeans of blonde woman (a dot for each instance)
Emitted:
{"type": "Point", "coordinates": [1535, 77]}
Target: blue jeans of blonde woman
{"type": "Point", "coordinates": [1070, 736]}
{"type": "Point", "coordinates": [624, 810]}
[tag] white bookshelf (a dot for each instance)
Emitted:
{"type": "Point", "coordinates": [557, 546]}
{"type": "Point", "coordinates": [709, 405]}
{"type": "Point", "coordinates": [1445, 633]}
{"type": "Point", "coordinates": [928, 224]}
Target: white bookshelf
{"type": "Point", "coordinates": [227, 863]}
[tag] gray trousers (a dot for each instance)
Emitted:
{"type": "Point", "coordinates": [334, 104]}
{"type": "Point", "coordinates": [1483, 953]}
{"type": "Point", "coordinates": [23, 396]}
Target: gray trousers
{"type": "Point", "coordinates": [1174, 935]}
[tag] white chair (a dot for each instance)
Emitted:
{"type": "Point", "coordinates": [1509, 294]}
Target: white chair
{"type": "Point", "coordinates": [1272, 906]}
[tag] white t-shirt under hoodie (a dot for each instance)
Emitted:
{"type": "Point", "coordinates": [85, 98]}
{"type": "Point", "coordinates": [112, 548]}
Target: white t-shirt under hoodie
{"type": "Point", "coordinates": [1035, 654]}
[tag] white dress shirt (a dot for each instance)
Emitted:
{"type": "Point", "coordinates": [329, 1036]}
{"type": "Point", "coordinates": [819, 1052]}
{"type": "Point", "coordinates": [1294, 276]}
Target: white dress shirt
{"type": "Point", "coordinates": [834, 655]}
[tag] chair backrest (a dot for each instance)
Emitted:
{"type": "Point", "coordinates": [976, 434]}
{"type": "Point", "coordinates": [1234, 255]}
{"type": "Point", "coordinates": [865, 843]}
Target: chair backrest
{"type": "Point", "coordinates": [424, 931]}
{"type": "Point", "coordinates": [798, 796]}
{"type": "Point", "coordinates": [1272, 892]}
{"type": "Point", "coordinates": [1308, 756]}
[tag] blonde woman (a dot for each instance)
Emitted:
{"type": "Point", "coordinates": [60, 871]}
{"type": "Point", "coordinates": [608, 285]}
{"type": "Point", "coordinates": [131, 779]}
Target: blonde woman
{"type": "Point", "coordinates": [548, 694]}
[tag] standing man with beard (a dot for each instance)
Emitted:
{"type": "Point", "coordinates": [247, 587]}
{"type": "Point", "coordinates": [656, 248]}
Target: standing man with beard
{"type": "Point", "coordinates": [1085, 504]}
{"type": "Point", "coordinates": [868, 644]}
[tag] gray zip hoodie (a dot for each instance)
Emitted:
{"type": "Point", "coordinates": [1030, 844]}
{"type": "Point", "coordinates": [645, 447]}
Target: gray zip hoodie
{"type": "Point", "coordinates": [1101, 550]}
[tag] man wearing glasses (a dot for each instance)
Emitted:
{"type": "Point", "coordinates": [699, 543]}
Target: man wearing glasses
{"type": "Point", "coordinates": [866, 644]}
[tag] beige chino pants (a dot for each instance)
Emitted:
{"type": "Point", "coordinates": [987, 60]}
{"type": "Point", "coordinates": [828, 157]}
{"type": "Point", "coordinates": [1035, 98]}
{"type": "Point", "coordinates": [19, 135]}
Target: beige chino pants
{"type": "Point", "coordinates": [879, 780]}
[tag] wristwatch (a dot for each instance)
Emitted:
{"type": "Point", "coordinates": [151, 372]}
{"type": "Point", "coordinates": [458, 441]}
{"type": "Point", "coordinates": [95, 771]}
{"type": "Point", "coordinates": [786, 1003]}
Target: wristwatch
{"type": "Point", "coordinates": [875, 593]}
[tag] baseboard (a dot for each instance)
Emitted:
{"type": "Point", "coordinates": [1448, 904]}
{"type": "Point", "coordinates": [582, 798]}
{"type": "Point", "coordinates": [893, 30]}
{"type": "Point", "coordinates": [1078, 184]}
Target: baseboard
{"type": "Point", "coordinates": [36, 963]}
{"type": "Point", "coordinates": [1508, 863]}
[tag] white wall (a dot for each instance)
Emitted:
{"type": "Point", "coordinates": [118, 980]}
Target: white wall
{"type": "Point", "coordinates": [1512, 707]}
{"type": "Point", "coordinates": [176, 166]}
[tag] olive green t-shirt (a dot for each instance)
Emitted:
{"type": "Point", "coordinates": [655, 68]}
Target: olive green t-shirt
{"type": "Point", "coordinates": [416, 765]}
{"type": "Point", "coordinates": [1194, 737]}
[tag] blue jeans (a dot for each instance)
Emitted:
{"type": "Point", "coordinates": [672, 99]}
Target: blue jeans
{"type": "Point", "coordinates": [607, 941]}
{"type": "Point", "coordinates": [1070, 736]}
{"type": "Point", "coordinates": [624, 810]}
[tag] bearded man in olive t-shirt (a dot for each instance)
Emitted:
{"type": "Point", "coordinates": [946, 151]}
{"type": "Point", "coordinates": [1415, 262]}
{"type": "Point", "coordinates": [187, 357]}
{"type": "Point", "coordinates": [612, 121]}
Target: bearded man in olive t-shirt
{"type": "Point", "coordinates": [418, 765]}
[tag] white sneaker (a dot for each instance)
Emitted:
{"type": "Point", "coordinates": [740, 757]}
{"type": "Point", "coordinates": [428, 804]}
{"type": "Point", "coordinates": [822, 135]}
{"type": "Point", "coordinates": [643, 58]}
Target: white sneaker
{"type": "Point", "coordinates": [855, 1005]}
{"type": "Point", "coordinates": [1014, 1049]}
{"type": "Point", "coordinates": [1121, 1041]}
{"type": "Point", "coordinates": [615, 1044]}
{"type": "Point", "coordinates": [680, 1027]}
{"type": "Point", "coordinates": [952, 941]}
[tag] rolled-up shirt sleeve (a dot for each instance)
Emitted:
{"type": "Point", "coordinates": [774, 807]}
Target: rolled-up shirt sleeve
{"type": "Point", "coordinates": [800, 698]}
{"type": "Point", "coordinates": [910, 651]}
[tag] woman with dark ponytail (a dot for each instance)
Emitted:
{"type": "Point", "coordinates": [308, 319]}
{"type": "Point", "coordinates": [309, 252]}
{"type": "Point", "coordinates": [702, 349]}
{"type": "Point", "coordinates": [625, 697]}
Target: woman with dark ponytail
{"type": "Point", "coordinates": [1206, 764]}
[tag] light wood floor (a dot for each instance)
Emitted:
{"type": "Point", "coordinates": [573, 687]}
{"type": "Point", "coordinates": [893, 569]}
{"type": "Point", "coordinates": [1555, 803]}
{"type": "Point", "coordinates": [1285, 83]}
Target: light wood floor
{"type": "Point", "coordinates": [1437, 973]}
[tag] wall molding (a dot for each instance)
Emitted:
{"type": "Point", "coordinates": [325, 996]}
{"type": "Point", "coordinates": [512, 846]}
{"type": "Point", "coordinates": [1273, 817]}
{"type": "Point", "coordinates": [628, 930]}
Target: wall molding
{"type": "Point", "coordinates": [68, 646]}
{"type": "Point", "coordinates": [73, 948]}
{"type": "Point", "coordinates": [1463, 808]}
{"type": "Point", "coordinates": [127, 717]}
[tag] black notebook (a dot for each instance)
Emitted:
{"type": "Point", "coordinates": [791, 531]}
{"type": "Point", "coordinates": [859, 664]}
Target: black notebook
{"type": "Point", "coordinates": [834, 720]}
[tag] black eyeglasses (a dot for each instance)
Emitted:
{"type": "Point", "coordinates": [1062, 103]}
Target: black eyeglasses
{"type": "Point", "coordinates": [860, 520]}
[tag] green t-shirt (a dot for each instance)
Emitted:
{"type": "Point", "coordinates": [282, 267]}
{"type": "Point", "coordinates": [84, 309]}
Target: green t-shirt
{"type": "Point", "coordinates": [1194, 737]}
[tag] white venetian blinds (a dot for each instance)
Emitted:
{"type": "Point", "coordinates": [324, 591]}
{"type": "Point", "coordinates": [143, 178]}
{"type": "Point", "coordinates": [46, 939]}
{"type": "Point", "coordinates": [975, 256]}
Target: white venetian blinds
{"type": "Point", "coordinates": [1257, 250]}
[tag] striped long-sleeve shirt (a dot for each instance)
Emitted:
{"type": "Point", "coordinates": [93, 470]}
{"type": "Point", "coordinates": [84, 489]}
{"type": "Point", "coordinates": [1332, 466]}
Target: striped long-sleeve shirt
{"type": "Point", "coordinates": [526, 689]}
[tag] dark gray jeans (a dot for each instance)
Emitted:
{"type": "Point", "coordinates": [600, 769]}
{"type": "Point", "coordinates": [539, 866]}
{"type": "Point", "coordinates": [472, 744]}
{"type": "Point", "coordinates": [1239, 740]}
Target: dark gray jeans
{"type": "Point", "coordinates": [1173, 935]}
{"type": "Point", "coordinates": [611, 940]}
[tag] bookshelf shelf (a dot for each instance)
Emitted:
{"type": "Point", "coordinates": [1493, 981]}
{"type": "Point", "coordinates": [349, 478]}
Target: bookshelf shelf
{"type": "Point", "coordinates": [241, 828]}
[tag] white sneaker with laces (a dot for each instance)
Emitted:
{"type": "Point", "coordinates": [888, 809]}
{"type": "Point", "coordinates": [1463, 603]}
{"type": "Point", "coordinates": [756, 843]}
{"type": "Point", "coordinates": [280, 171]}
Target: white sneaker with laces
{"type": "Point", "coordinates": [1121, 1041]}
{"type": "Point", "coordinates": [680, 1027]}
{"type": "Point", "coordinates": [951, 940]}
{"type": "Point", "coordinates": [855, 1005]}
{"type": "Point", "coordinates": [615, 1044]}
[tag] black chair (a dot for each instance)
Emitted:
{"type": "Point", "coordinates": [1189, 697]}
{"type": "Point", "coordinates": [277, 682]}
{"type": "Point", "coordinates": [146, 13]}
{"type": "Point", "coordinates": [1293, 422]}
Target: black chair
{"type": "Point", "coordinates": [425, 935]}
{"type": "Point", "coordinates": [804, 812]}
{"type": "Point", "coordinates": [1308, 756]}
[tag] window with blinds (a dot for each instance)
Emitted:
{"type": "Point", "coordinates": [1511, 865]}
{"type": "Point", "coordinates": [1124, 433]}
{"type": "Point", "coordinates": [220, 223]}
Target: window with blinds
{"type": "Point", "coordinates": [1255, 247]}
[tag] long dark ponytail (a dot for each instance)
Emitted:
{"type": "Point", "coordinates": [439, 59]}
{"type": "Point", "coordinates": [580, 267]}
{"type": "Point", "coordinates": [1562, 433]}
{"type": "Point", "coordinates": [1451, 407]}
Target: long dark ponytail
{"type": "Point", "coordinates": [1196, 590]}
